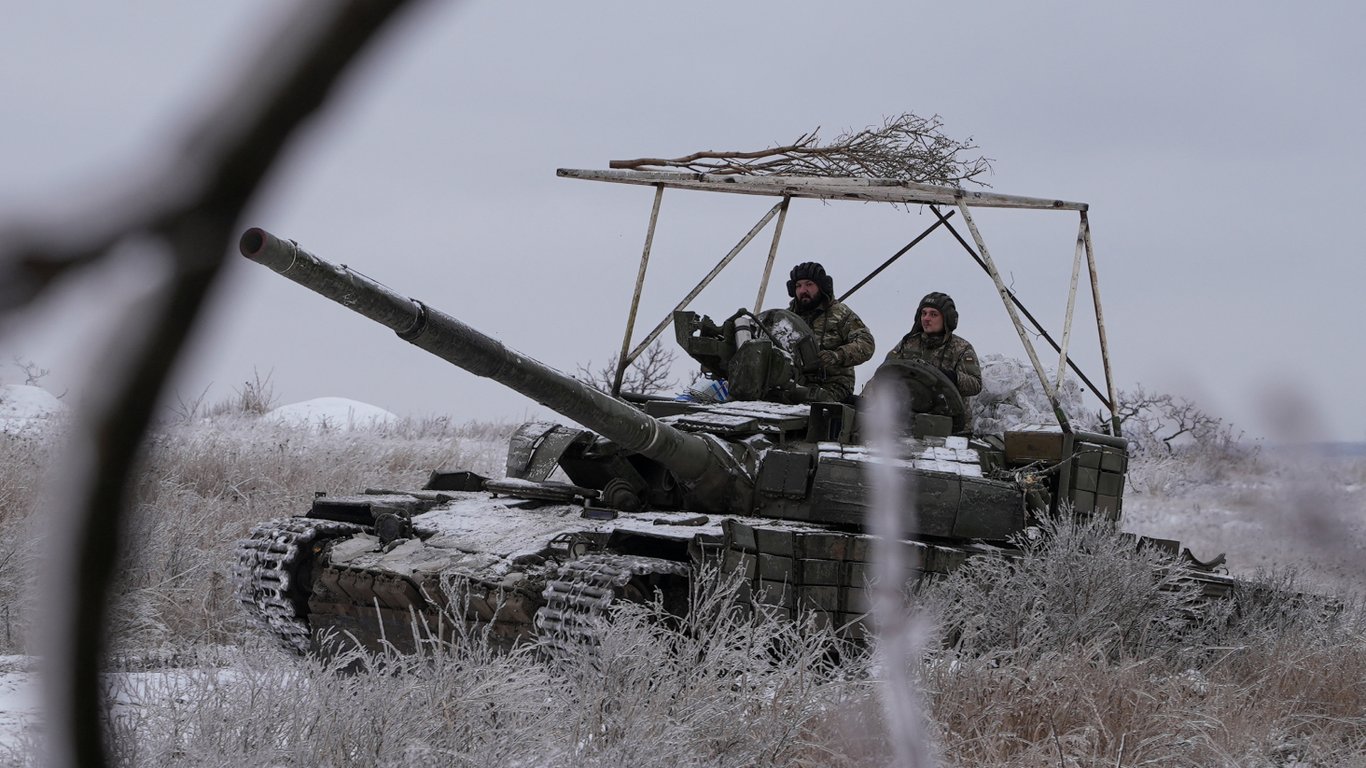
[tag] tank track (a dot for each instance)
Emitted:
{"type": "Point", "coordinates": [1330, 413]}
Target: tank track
{"type": "Point", "coordinates": [577, 600]}
{"type": "Point", "coordinates": [267, 564]}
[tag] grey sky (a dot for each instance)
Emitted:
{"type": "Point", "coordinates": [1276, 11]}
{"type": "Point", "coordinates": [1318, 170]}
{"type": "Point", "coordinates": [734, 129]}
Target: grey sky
{"type": "Point", "coordinates": [1219, 145]}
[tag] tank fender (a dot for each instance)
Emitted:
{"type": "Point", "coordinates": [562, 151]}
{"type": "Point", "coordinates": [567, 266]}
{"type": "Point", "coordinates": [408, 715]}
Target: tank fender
{"type": "Point", "coordinates": [536, 447]}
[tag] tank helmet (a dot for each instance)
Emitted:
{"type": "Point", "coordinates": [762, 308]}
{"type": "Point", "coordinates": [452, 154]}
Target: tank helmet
{"type": "Point", "coordinates": [810, 270]}
{"type": "Point", "coordinates": [942, 302]}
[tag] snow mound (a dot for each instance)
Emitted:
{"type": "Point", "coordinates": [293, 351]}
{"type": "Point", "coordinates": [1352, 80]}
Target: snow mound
{"type": "Point", "coordinates": [26, 409]}
{"type": "Point", "coordinates": [1012, 396]}
{"type": "Point", "coordinates": [331, 413]}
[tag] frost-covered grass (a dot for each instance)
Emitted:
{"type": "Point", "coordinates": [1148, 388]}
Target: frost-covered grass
{"type": "Point", "coordinates": [205, 484]}
{"type": "Point", "coordinates": [1078, 654]}
{"type": "Point", "coordinates": [25, 461]}
{"type": "Point", "coordinates": [1084, 652]}
{"type": "Point", "coordinates": [724, 687]}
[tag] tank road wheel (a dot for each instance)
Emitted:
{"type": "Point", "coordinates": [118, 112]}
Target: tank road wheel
{"type": "Point", "coordinates": [576, 600]}
{"type": "Point", "coordinates": [273, 574]}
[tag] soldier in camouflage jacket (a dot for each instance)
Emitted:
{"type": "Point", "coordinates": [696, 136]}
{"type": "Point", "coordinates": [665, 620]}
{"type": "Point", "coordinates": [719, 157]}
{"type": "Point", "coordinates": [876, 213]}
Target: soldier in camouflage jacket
{"type": "Point", "coordinates": [844, 341]}
{"type": "Point", "coordinates": [932, 339]}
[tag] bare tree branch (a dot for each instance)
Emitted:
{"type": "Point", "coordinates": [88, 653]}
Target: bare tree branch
{"type": "Point", "coordinates": [906, 147]}
{"type": "Point", "coordinates": [1158, 423]}
{"type": "Point", "coordinates": [188, 213]}
{"type": "Point", "coordinates": [649, 374]}
{"type": "Point", "coordinates": [33, 373]}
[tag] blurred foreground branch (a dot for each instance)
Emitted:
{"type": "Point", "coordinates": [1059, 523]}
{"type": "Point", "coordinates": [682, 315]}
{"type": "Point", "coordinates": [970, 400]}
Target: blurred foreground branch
{"type": "Point", "coordinates": [188, 214]}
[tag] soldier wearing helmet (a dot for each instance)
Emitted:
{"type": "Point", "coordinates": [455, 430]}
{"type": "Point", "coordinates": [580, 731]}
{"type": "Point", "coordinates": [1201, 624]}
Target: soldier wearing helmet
{"type": "Point", "coordinates": [932, 339]}
{"type": "Point", "coordinates": [842, 338]}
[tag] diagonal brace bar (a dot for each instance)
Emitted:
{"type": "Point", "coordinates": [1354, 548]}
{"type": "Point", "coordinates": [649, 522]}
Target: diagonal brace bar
{"type": "Point", "coordinates": [1006, 298]}
{"type": "Point", "coordinates": [1071, 302]}
{"type": "Point", "coordinates": [1100, 325]}
{"type": "Point", "coordinates": [772, 253]}
{"type": "Point", "coordinates": [1029, 316]}
{"type": "Point", "coordinates": [716, 270]}
{"type": "Point", "coordinates": [896, 256]}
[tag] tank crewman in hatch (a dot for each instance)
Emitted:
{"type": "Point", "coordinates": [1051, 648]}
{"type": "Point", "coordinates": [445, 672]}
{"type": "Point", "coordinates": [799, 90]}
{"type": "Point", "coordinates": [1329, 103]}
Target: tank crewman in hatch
{"type": "Point", "coordinates": [932, 339]}
{"type": "Point", "coordinates": [842, 338]}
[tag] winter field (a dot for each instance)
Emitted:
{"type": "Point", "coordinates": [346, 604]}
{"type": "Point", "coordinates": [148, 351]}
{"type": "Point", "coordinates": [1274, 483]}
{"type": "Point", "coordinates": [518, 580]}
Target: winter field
{"type": "Point", "coordinates": [1065, 659]}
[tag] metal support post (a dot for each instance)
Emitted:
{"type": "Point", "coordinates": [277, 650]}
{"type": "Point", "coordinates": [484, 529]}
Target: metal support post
{"type": "Point", "coordinates": [622, 362]}
{"type": "Point", "coordinates": [1015, 318]}
{"type": "Point", "coordinates": [1071, 304]}
{"type": "Point", "coordinates": [772, 253]}
{"type": "Point", "coordinates": [1020, 305]}
{"type": "Point", "coordinates": [1100, 323]}
{"type": "Point", "coordinates": [716, 270]}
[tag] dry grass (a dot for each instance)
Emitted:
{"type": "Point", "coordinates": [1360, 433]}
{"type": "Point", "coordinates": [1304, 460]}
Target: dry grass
{"type": "Point", "coordinates": [26, 462]}
{"type": "Point", "coordinates": [1070, 656]}
{"type": "Point", "coordinates": [726, 687]}
{"type": "Point", "coordinates": [1079, 653]}
{"type": "Point", "coordinates": [204, 484]}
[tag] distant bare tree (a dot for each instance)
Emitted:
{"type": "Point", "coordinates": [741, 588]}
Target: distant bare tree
{"type": "Point", "coordinates": [906, 147]}
{"type": "Point", "coordinates": [649, 374]}
{"type": "Point", "coordinates": [1156, 422]}
{"type": "Point", "coordinates": [32, 373]}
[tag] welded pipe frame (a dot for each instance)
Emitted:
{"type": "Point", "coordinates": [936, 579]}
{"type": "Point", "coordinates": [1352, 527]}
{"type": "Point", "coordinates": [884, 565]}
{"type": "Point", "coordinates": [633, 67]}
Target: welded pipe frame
{"type": "Point", "coordinates": [716, 270]}
{"type": "Point", "coordinates": [880, 190]}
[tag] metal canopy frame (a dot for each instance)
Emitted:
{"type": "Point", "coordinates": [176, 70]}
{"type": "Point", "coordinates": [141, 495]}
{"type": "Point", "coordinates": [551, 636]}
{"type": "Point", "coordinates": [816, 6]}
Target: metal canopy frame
{"type": "Point", "coordinates": [883, 191]}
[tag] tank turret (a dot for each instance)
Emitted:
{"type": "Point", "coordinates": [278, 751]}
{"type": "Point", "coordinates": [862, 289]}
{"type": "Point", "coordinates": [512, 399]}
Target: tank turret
{"type": "Point", "coordinates": [706, 466]}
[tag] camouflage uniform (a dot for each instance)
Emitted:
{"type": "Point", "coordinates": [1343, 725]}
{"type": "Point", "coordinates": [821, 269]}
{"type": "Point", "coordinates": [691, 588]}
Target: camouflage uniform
{"type": "Point", "coordinates": [838, 330]}
{"type": "Point", "coordinates": [952, 354]}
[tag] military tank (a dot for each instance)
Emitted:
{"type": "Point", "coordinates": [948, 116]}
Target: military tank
{"type": "Point", "coordinates": [647, 491]}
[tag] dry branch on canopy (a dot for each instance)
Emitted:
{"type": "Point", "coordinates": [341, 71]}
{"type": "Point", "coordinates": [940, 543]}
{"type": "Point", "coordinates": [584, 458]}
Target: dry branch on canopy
{"type": "Point", "coordinates": [906, 147]}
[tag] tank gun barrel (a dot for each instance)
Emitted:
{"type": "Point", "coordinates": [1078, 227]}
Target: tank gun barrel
{"type": "Point", "coordinates": [690, 457]}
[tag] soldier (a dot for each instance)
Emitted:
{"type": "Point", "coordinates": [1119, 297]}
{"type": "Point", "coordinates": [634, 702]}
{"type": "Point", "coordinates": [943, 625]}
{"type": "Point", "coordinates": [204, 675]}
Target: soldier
{"type": "Point", "coordinates": [842, 338]}
{"type": "Point", "coordinates": [932, 339]}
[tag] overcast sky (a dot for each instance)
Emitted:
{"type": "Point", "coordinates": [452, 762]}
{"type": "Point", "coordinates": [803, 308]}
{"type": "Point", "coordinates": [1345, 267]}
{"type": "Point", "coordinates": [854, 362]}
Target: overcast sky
{"type": "Point", "coordinates": [1219, 145]}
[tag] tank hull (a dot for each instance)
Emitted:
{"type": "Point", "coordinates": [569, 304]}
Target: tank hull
{"type": "Point", "coordinates": [507, 570]}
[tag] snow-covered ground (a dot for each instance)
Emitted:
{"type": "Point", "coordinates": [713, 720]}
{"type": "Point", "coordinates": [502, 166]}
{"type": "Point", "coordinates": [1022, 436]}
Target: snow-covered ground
{"type": "Point", "coordinates": [27, 409]}
{"type": "Point", "coordinates": [30, 411]}
{"type": "Point", "coordinates": [20, 699]}
{"type": "Point", "coordinates": [1283, 510]}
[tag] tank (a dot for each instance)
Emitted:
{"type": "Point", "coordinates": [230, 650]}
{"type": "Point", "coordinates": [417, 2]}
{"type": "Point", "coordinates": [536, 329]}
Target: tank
{"type": "Point", "coordinates": [769, 486]}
